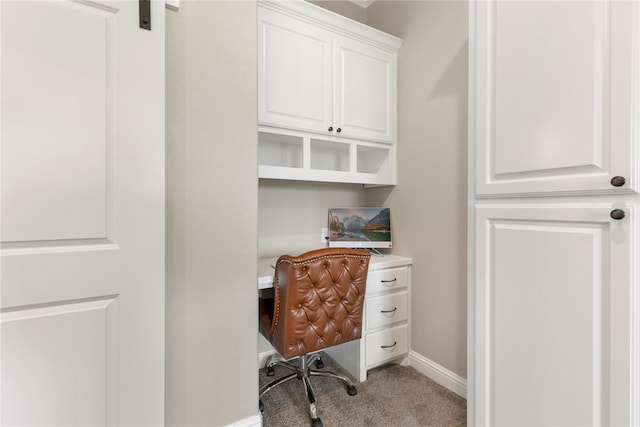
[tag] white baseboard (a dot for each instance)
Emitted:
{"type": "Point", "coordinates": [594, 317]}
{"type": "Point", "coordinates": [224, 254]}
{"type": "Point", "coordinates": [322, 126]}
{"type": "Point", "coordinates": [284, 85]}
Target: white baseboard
{"type": "Point", "coordinates": [439, 374]}
{"type": "Point", "coordinates": [254, 421]}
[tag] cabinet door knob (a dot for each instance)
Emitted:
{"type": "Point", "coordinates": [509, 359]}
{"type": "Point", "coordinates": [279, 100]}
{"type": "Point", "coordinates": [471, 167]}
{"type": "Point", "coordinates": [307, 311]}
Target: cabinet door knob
{"type": "Point", "coordinates": [618, 181]}
{"type": "Point", "coordinates": [617, 214]}
{"type": "Point", "coordinates": [330, 129]}
{"type": "Point", "coordinates": [338, 130]}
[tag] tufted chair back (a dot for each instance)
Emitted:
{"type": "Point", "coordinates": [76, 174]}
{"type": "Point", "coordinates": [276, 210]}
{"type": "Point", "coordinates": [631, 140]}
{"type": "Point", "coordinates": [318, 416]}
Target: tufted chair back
{"type": "Point", "coordinates": [318, 300]}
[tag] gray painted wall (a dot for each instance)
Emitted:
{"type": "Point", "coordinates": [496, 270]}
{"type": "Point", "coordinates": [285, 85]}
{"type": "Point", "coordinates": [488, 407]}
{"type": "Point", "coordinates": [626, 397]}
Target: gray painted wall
{"type": "Point", "coordinates": [211, 309]}
{"type": "Point", "coordinates": [291, 213]}
{"type": "Point", "coordinates": [429, 202]}
{"type": "Point", "coordinates": [344, 8]}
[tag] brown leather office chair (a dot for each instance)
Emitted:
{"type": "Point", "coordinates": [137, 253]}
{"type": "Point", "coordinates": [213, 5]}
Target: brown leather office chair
{"type": "Point", "coordinates": [318, 303]}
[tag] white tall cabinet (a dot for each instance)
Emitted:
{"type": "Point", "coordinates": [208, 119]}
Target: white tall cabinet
{"type": "Point", "coordinates": [554, 234]}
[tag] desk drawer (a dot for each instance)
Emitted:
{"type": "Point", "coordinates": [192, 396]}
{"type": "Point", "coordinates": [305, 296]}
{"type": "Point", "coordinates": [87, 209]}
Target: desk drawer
{"type": "Point", "coordinates": [385, 310]}
{"type": "Point", "coordinates": [386, 345]}
{"type": "Point", "coordinates": [387, 279]}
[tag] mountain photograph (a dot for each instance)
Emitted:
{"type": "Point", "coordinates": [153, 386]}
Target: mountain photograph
{"type": "Point", "coordinates": [360, 224]}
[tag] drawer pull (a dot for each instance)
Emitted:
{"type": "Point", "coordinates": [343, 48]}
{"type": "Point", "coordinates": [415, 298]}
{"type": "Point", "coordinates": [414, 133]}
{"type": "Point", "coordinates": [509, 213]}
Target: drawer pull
{"type": "Point", "coordinates": [389, 346]}
{"type": "Point", "coordinates": [389, 311]}
{"type": "Point", "coordinates": [388, 281]}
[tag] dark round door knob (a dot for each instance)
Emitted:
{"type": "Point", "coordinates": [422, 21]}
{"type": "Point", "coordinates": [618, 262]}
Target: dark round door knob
{"type": "Point", "coordinates": [618, 181]}
{"type": "Point", "coordinates": [330, 129]}
{"type": "Point", "coordinates": [338, 130]}
{"type": "Point", "coordinates": [617, 214]}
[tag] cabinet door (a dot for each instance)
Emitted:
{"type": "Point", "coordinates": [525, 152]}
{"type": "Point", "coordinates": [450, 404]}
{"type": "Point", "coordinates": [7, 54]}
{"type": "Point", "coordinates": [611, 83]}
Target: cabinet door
{"type": "Point", "coordinates": [554, 96]}
{"type": "Point", "coordinates": [294, 71]}
{"type": "Point", "coordinates": [554, 336]}
{"type": "Point", "coordinates": [364, 91]}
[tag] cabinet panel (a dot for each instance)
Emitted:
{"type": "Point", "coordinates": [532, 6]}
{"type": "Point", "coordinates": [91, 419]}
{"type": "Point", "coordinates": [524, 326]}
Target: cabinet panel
{"type": "Point", "coordinates": [387, 279]}
{"type": "Point", "coordinates": [553, 331]}
{"type": "Point", "coordinates": [386, 345]}
{"type": "Point", "coordinates": [364, 92]}
{"type": "Point", "coordinates": [386, 310]}
{"type": "Point", "coordinates": [295, 72]}
{"type": "Point", "coordinates": [553, 101]}
{"type": "Point", "coordinates": [57, 174]}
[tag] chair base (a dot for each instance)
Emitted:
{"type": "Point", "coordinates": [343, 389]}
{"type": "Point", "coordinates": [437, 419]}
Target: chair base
{"type": "Point", "coordinates": [303, 372]}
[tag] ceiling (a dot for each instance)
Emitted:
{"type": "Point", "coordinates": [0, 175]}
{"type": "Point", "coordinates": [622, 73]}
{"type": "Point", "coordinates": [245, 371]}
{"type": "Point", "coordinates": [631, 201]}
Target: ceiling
{"type": "Point", "coordinates": [363, 3]}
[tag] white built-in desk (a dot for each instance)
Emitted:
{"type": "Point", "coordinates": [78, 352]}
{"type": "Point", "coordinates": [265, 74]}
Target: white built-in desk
{"type": "Point", "coordinates": [386, 326]}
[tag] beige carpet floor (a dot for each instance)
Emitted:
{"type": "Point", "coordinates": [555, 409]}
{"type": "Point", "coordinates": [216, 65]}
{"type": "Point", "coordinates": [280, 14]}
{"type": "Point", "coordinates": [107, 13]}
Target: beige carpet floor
{"type": "Point", "coordinates": [393, 395]}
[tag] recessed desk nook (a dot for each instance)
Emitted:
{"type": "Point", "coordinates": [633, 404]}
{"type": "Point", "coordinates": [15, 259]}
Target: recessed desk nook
{"type": "Point", "coordinates": [385, 335]}
{"type": "Point", "coordinates": [326, 137]}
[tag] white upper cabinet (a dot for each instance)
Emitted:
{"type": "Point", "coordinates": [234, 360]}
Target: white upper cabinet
{"type": "Point", "coordinates": [326, 96]}
{"type": "Point", "coordinates": [295, 72]}
{"type": "Point", "coordinates": [554, 91]}
{"type": "Point", "coordinates": [364, 91]}
{"type": "Point", "coordinates": [323, 73]}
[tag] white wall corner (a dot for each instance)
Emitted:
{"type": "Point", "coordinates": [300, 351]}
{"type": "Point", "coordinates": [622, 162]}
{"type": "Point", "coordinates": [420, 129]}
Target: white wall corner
{"type": "Point", "coordinates": [172, 4]}
{"type": "Point", "coordinates": [363, 3]}
{"type": "Point", "coordinates": [254, 421]}
{"type": "Point", "coordinates": [439, 374]}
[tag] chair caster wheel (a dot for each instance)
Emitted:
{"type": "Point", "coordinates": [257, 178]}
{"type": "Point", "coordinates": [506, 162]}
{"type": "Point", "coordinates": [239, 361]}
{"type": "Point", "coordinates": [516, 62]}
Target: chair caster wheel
{"type": "Point", "coordinates": [260, 405]}
{"type": "Point", "coordinates": [319, 364]}
{"type": "Point", "coordinates": [270, 371]}
{"type": "Point", "coordinates": [316, 422]}
{"type": "Point", "coordinates": [351, 390]}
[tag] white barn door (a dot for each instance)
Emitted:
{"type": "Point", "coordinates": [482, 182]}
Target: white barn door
{"type": "Point", "coordinates": [82, 214]}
